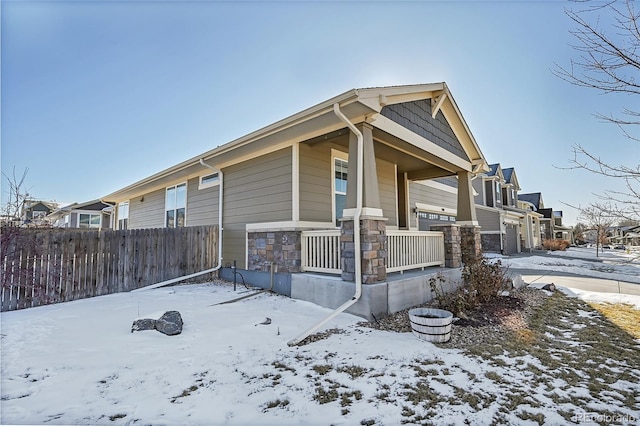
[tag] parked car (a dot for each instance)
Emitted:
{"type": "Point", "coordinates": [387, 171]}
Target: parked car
{"type": "Point", "coordinates": [619, 247]}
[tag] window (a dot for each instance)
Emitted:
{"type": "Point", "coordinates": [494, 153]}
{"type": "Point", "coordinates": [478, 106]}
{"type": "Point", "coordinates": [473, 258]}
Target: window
{"type": "Point", "coordinates": [123, 215]}
{"type": "Point", "coordinates": [87, 220]}
{"type": "Point", "coordinates": [505, 197]}
{"type": "Point", "coordinates": [340, 187]}
{"type": "Point", "coordinates": [498, 192]}
{"type": "Point", "coordinates": [427, 219]}
{"type": "Point", "coordinates": [209, 180]}
{"type": "Point", "coordinates": [488, 187]}
{"type": "Point", "coordinates": [176, 206]}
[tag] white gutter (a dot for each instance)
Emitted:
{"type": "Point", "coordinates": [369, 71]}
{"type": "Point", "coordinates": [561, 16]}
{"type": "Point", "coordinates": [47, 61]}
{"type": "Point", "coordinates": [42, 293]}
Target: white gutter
{"type": "Point", "coordinates": [356, 233]}
{"type": "Point", "coordinates": [219, 265]}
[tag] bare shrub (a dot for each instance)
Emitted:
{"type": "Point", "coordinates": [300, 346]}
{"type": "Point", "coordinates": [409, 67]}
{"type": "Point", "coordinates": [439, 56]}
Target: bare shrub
{"type": "Point", "coordinates": [482, 281]}
{"type": "Point", "coordinates": [555, 245]}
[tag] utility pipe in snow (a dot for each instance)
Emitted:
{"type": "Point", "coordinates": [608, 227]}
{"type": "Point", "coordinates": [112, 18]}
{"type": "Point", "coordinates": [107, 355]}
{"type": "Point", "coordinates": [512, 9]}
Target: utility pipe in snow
{"type": "Point", "coordinates": [356, 233]}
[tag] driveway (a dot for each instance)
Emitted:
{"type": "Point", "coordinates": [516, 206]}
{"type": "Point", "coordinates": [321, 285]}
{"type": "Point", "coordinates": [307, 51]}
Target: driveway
{"type": "Point", "coordinates": [565, 279]}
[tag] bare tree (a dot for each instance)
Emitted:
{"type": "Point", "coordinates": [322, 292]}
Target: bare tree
{"type": "Point", "coordinates": [608, 44]}
{"type": "Point", "coordinates": [17, 194]}
{"type": "Point", "coordinates": [579, 233]}
{"type": "Point", "coordinates": [598, 217]}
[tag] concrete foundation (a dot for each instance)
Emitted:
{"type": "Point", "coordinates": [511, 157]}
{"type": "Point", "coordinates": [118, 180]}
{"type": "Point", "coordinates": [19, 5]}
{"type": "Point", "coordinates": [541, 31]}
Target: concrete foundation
{"type": "Point", "coordinates": [400, 291]}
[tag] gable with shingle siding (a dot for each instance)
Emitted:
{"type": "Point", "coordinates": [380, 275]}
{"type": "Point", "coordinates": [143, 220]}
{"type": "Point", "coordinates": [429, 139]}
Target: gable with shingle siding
{"type": "Point", "coordinates": [416, 116]}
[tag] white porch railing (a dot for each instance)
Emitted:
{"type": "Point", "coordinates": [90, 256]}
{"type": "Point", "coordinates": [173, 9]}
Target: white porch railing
{"type": "Point", "coordinates": [405, 250]}
{"type": "Point", "coordinates": [414, 249]}
{"type": "Point", "coordinates": [321, 251]}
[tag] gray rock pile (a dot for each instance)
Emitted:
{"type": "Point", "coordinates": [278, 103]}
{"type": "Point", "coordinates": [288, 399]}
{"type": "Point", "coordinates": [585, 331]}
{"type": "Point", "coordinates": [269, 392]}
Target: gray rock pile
{"type": "Point", "coordinates": [170, 323]}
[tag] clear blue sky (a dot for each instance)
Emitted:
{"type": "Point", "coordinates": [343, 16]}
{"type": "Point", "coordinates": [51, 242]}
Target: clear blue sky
{"type": "Point", "coordinates": [97, 95]}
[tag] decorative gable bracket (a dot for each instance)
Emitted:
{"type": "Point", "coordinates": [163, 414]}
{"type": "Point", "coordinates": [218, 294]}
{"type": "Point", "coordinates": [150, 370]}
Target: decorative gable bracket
{"type": "Point", "coordinates": [439, 100]}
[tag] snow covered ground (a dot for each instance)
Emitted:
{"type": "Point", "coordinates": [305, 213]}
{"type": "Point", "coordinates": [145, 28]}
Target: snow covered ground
{"type": "Point", "coordinates": [611, 264]}
{"type": "Point", "coordinates": [78, 363]}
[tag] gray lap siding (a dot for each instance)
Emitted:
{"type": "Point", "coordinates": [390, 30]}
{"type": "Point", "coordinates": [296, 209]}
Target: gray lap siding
{"type": "Point", "coordinates": [147, 211]}
{"type": "Point", "coordinates": [202, 204]}
{"type": "Point", "coordinates": [315, 183]}
{"type": "Point", "coordinates": [316, 198]}
{"type": "Point", "coordinates": [420, 193]}
{"type": "Point", "coordinates": [256, 190]}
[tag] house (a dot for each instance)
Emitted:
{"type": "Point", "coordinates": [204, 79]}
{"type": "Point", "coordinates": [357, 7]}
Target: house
{"type": "Point", "coordinates": [531, 225]}
{"type": "Point", "coordinates": [34, 212]}
{"type": "Point", "coordinates": [561, 232]}
{"type": "Point", "coordinates": [507, 225]}
{"type": "Point", "coordinates": [91, 214]}
{"type": "Point", "coordinates": [551, 220]}
{"type": "Point", "coordinates": [294, 197]}
{"type": "Point", "coordinates": [534, 199]}
{"type": "Point", "coordinates": [628, 235]}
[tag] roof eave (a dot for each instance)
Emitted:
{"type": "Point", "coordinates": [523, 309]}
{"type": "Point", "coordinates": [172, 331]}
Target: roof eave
{"type": "Point", "coordinates": [298, 118]}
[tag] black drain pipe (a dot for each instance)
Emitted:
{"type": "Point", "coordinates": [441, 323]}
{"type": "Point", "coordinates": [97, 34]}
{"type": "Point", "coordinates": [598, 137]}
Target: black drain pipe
{"type": "Point", "coordinates": [234, 275]}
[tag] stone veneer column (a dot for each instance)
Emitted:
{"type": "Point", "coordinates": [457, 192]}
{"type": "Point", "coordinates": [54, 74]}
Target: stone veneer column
{"type": "Point", "coordinates": [373, 246]}
{"type": "Point", "coordinates": [283, 248]}
{"type": "Point", "coordinates": [471, 242]}
{"type": "Point", "coordinates": [452, 244]}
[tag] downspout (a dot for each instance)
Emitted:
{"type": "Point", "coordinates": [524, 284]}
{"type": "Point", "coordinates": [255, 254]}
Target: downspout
{"type": "Point", "coordinates": [220, 198]}
{"type": "Point", "coordinates": [219, 265]}
{"type": "Point", "coordinates": [356, 233]}
{"type": "Point", "coordinates": [113, 217]}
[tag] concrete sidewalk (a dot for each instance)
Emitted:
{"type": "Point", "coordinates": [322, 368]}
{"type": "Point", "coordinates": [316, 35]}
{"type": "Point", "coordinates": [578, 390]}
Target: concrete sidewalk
{"type": "Point", "coordinates": [565, 279]}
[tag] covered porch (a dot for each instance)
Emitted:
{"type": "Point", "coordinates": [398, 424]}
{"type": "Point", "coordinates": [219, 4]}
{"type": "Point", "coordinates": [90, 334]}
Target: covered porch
{"type": "Point", "coordinates": [356, 206]}
{"type": "Point", "coordinates": [357, 183]}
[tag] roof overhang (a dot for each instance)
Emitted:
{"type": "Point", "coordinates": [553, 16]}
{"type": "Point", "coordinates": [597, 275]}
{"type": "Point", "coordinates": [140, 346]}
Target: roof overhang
{"type": "Point", "coordinates": [358, 105]}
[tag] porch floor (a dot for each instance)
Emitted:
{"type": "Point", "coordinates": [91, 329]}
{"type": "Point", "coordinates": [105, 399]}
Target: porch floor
{"type": "Point", "coordinates": [400, 291]}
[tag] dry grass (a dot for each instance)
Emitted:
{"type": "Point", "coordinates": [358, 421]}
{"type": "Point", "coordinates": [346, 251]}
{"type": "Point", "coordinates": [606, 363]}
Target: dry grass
{"type": "Point", "coordinates": [625, 316]}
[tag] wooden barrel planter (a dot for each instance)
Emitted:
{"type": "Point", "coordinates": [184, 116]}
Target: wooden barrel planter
{"type": "Point", "coordinates": [430, 324]}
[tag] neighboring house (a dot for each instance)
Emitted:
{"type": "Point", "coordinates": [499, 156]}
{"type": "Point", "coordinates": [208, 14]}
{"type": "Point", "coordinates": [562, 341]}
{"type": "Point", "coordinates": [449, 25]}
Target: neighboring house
{"type": "Point", "coordinates": [507, 226]}
{"type": "Point", "coordinates": [626, 235]}
{"type": "Point", "coordinates": [9, 220]}
{"type": "Point", "coordinates": [551, 220]}
{"type": "Point", "coordinates": [561, 232]}
{"type": "Point", "coordinates": [528, 221]}
{"type": "Point", "coordinates": [34, 212]}
{"type": "Point", "coordinates": [532, 226]}
{"type": "Point", "coordinates": [286, 195]}
{"type": "Point", "coordinates": [91, 214]}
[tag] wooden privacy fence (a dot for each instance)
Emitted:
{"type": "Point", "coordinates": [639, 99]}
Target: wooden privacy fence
{"type": "Point", "coordinates": [48, 266]}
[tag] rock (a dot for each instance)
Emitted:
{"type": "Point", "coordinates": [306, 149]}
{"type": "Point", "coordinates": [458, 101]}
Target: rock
{"type": "Point", "coordinates": [170, 323]}
{"type": "Point", "coordinates": [518, 282]}
{"type": "Point", "coordinates": [266, 321]}
{"type": "Point", "coordinates": [143, 324]}
{"type": "Point", "coordinates": [549, 287]}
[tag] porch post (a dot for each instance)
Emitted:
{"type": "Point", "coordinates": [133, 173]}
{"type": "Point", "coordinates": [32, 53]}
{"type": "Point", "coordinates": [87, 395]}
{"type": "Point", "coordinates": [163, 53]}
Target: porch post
{"type": "Point", "coordinates": [370, 191]}
{"type": "Point", "coordinates": [470, 240]}
{"type": "Point", "coordinates": [466, 206]}
{"type": "Point", "coordinates": [373, 234]}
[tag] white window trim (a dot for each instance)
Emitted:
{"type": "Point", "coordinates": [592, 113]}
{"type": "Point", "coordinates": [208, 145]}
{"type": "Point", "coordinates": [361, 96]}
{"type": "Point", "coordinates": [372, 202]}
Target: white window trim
{"type": "Point", "coordinates": [90, 214]}
{"type": "Point", "coordinates": [335, 154]}
{"type": "Point", "coordinates": [118, 213]}
{"type": "Point", "coordinates": [205, 185]}
{"type": "Point", "coordinates": [186, 194]}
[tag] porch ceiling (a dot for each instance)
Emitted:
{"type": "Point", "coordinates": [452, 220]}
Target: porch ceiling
{"type": "Point", "coordinates": [416, 162]}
